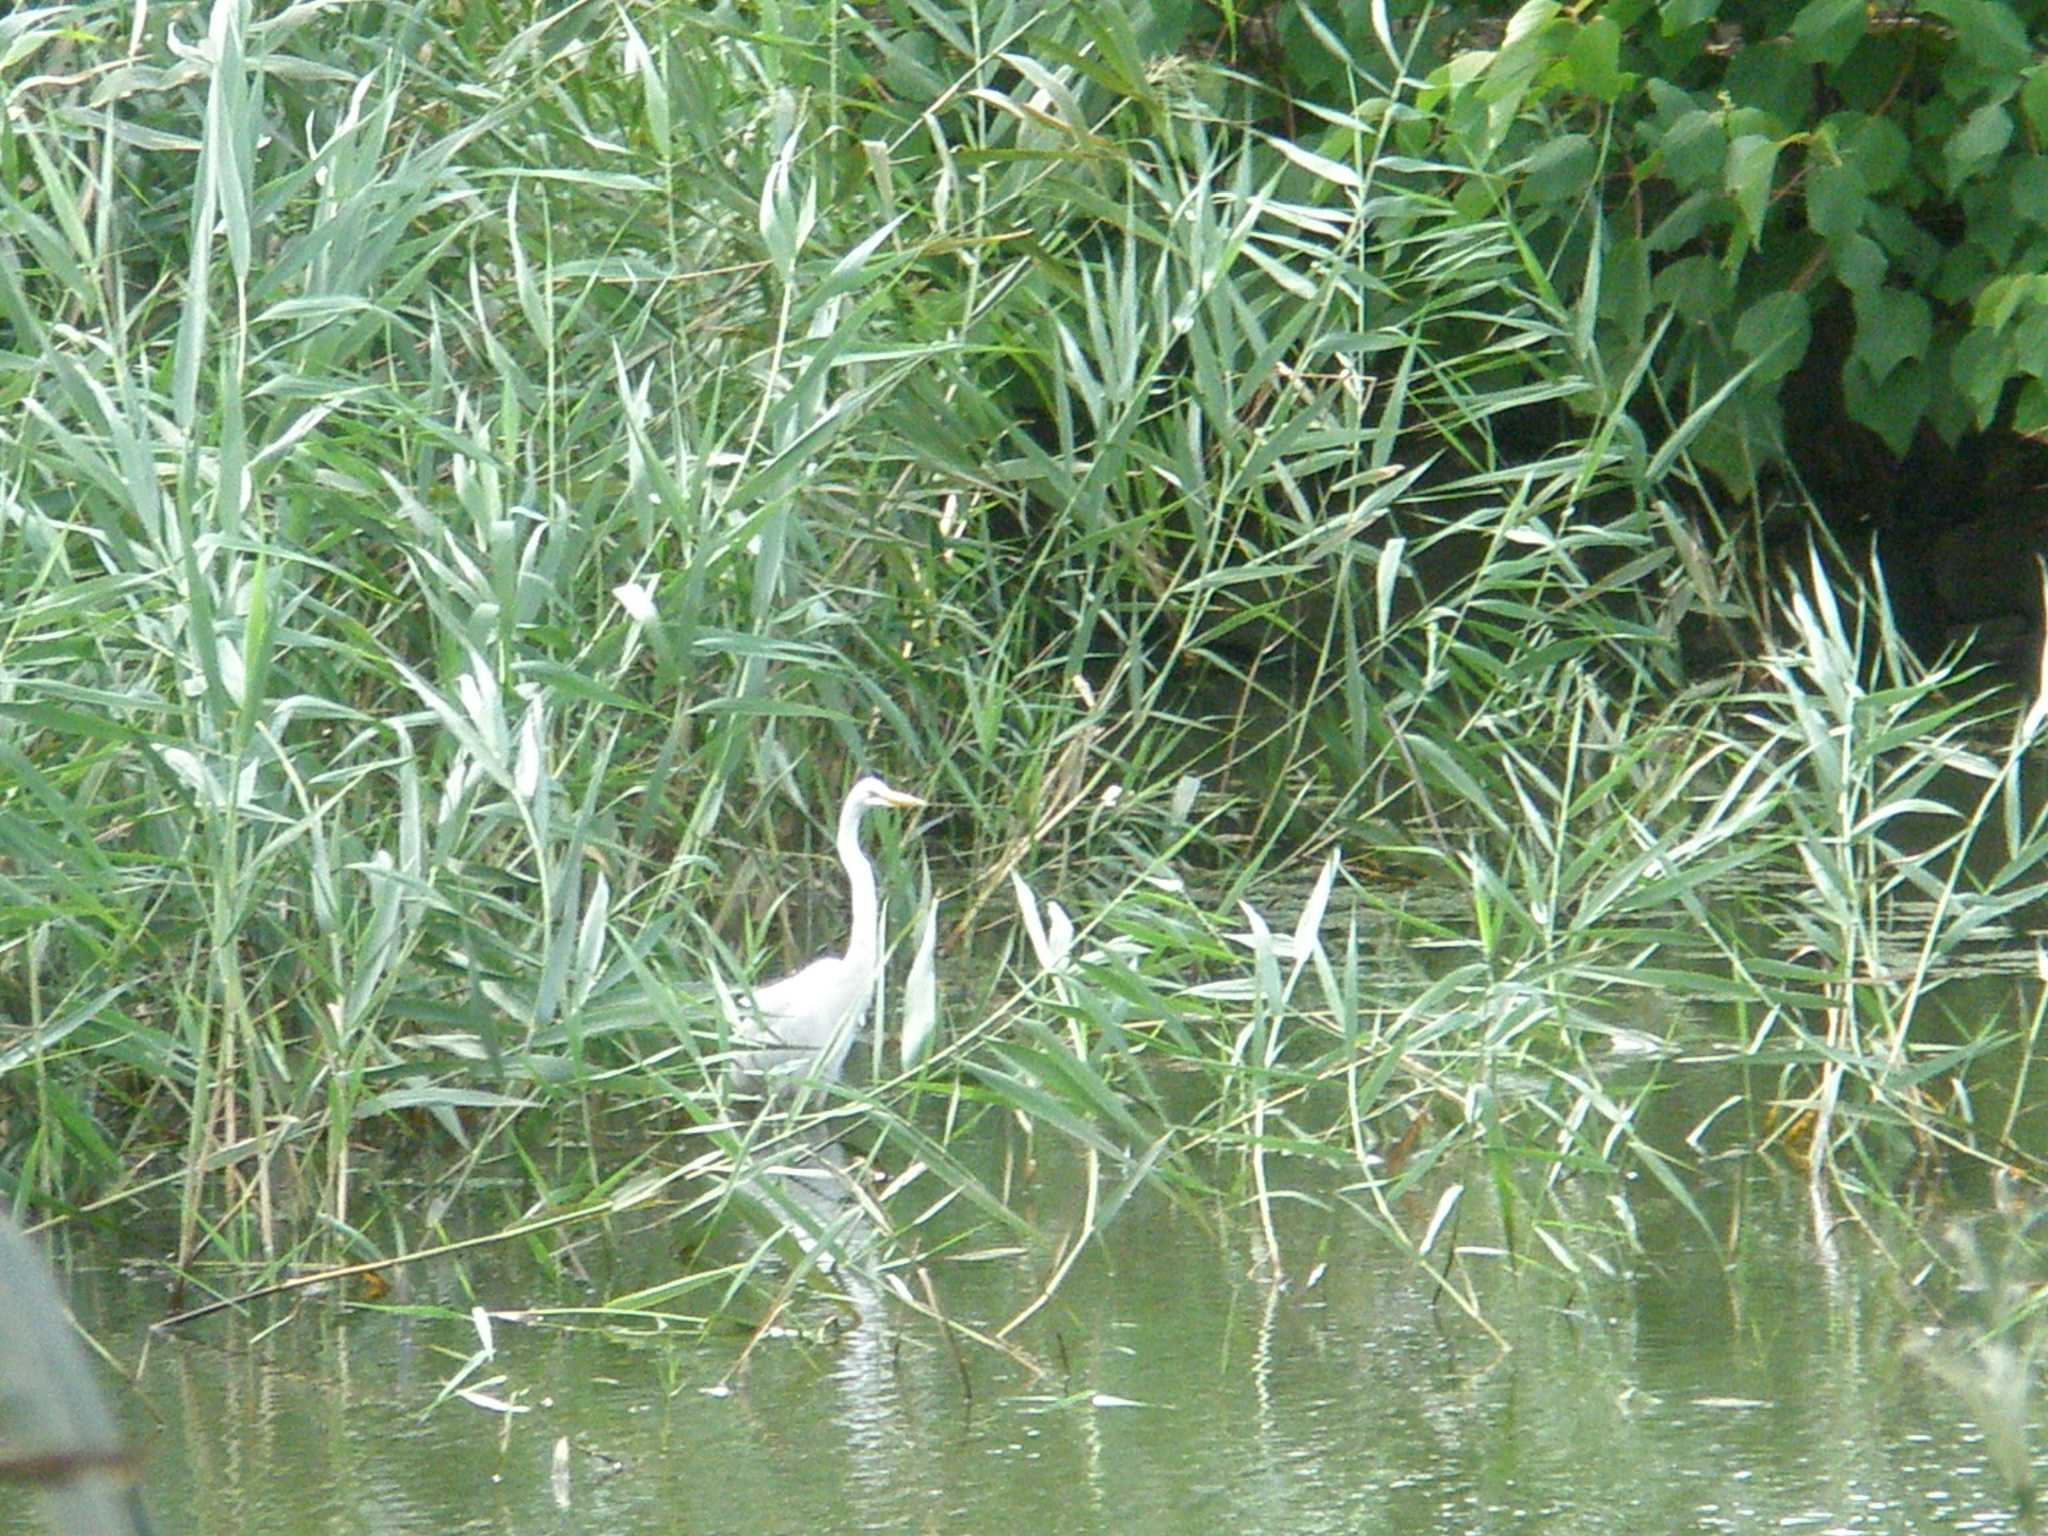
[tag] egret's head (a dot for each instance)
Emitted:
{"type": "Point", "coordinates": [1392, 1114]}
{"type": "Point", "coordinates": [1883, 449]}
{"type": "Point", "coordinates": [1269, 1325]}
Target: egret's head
{"type": "Point", "coordinates": [872, 792]}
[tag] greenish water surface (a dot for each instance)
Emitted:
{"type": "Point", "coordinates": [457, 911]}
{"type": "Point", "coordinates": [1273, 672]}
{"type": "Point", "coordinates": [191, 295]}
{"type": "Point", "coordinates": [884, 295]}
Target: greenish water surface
{"type": "Point", "coordinates": [1171, 1385]}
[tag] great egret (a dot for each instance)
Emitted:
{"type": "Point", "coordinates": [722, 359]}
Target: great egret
{"type": "Point", "coordinates": [803, 1025]}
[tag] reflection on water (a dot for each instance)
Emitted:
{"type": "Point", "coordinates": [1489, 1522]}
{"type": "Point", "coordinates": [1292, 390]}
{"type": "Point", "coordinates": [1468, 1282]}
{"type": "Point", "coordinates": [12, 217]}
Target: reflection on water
{"type": "Point", "coordinates": [1695, 1389]}
{"type": "Point", "coordinates": [816, 1184]}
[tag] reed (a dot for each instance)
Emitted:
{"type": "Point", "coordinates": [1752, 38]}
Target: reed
{"type": "Point", "coordinates": [481, 486]}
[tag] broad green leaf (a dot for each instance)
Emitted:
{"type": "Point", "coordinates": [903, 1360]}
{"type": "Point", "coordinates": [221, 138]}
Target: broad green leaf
{"type": "Point", "coordinates": [1977, 143]}
{"type": "Point", "coordinates": [1987, 31]}
{"type": "Point", "coordinates": [2034, 100]}
{"type": "Point", "coordinates": [1773, 86]}
{"type": "Point", "coordinates": [1595, 59]}
{"type": "Point", "coordinates": [2003, 296]}
{"type": "Point", "coordinates": [2030, 411]}
{"type": "Point", "coordinates": [1695, 287]}
{"type": "Point", "coordinates": [1980, 366]}
{"type": "Point", "coordinates": [1752, 163]}
{"type": "Point", "coordinates": [1685, 223]}
{"type": "Point", "coordinates": [1893, 409]}
{"type": "Point", "coordinates": [2027, 184]}
{"type": "Point", "coordinates": [1825, 31]}
{"type": "Point", "coordinates": [1562, 170]}
{"type": "Point", "coordinates": [1775, 331]}
{"type": "Point", "coordinates": [1859, 262]}
{"type": "Point", "coordinates": [1892, 325]}
{"type": "Point", "coordinates": [1834, 201]}
{"type": "Point", "coordinates": [1678, 15]}
{"type": "Point", "coordinates": [1875, 148]}
{"type": "Point", "coordinates": [1695, 151]}
{"type": "Point", "coordinates": [2030, 342]}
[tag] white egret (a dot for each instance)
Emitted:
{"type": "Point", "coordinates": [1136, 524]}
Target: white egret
{"type": "Point", "coordinates": [803, 1025]}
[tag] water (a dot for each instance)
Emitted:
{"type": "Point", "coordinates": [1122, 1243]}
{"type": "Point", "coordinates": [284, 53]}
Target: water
{"type": "Point", "coordinates": [1761, 1365]}
{"type": "Point", "coordinates": [1762, 1384]}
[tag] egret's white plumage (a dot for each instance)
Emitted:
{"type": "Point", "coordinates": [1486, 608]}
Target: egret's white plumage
{"type": "Point", "coordinates": [803, 1025]}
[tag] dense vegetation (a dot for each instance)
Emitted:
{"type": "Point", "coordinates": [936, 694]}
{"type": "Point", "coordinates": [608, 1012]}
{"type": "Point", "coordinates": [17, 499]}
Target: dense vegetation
{"type": "Point", "coordinates": [1833, 216]}
{"type": "Point", "coordinates": [476, 486]}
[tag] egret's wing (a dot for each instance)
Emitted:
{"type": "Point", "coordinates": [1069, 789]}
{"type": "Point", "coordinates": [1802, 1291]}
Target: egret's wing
{"type": "Point", "coordinates": [801, 1011]}
{"type": "Point", "coordinates": [803, 1024]}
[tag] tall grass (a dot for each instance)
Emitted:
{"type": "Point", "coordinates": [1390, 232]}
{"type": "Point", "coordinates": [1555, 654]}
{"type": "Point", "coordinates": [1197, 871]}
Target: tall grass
{"type": "Point", "coordinates": [482, 484]}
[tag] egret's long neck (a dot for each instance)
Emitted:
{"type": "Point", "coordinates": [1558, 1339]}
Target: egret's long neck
{"type": "Point", "coordinates": [865, 941]}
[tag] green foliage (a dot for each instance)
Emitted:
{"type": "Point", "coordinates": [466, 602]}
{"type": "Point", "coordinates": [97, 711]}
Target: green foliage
{"type": "Point", "coordinates": [482, 483]}
{"type": "Point", "coordinates": [1751, 166]}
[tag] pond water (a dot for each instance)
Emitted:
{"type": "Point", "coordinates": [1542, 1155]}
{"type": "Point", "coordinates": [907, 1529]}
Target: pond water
{"type": "Point", "coordinates": [1761, 1380]}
